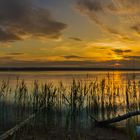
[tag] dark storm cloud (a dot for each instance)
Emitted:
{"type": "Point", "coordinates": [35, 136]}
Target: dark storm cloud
{"type": "Point", "coordinates": [75, 38]}
{"type": "Point", "coordinates": [20, 19]}
{"type": "Point", "coordinates": [120, 51]}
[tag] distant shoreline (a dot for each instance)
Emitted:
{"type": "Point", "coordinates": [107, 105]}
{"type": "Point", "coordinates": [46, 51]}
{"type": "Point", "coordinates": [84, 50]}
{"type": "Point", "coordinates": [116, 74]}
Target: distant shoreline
{"type": "Point", "coordinates": [64, 69]}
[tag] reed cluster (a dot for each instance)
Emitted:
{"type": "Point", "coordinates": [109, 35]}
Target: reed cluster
{"type": "Point", "coordinates": [67, 105]}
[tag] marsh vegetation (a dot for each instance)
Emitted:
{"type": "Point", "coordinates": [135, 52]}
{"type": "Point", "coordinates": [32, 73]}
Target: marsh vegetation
{"type": "Point", "coordinates": [64, 111]}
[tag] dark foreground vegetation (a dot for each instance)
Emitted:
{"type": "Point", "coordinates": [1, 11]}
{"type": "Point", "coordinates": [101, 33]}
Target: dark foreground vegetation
{"type": "Point", "coordinates": [53, 112]}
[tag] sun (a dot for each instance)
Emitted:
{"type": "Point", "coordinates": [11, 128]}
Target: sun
{"type": "Point", "coordinates": [117, 57]}
{"type": "Point", "coordinates": [117, 64]}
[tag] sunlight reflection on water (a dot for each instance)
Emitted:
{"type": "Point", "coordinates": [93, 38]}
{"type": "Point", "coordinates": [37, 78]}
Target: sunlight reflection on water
{"type": "Point", "coordinates": [68, 76]}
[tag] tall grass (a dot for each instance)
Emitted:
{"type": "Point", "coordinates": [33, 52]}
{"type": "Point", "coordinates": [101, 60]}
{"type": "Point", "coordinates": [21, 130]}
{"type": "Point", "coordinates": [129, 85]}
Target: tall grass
{"type": "Point", "coordinates": [71, 105]}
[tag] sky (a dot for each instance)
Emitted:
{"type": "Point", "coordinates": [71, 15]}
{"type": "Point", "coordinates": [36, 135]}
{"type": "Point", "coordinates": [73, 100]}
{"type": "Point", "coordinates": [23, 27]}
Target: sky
{"type": "Point", "coordinates": [70, 33]}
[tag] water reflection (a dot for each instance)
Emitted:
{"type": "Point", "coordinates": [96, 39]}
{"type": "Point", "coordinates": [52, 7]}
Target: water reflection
{"type": "Point", "coordinates": [100, 94]}
{"type": "Point", "coordinates": [67, 76]}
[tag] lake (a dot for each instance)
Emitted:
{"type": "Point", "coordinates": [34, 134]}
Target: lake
{"type": "Point", "coordinates": [68, 76]}
{"type": "Point", "coordinates": [77, 94]}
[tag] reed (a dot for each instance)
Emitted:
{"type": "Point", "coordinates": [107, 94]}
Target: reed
{"type": "Point", "coordinates": [69, 104]}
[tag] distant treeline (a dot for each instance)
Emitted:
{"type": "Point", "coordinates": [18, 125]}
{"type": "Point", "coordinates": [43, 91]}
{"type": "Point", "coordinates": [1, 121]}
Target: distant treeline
{"type": "Point", "coordinates": [64, 69]}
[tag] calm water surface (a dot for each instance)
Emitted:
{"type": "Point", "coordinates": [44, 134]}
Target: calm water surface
{"type": "Point", "coordinates": [68, 76]}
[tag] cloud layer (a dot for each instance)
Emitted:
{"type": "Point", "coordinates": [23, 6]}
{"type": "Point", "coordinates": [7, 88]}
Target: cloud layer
{"type": "Point", "coordinates": [127, 63]}
{"type": "Point", "coordinates": [116, 17]}
{"type": "Point", "coordinates": [21, 19]}
{"type": "Point", "coordinates": [120, 51]}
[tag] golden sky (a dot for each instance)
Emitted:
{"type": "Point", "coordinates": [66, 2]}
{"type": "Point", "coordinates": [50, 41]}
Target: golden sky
{"type": "Point", "coordinates": [70, 33]}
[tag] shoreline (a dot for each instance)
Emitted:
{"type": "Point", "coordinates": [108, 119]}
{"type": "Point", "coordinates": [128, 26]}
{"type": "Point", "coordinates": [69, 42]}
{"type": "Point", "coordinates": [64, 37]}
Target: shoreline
{"type": "Point", "coordinates": [63, 69]}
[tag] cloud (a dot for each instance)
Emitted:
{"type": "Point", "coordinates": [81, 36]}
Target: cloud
{"type": "Point", "coordinates": [120, 51]}
{"type": "Point", "coordinates": [128, 11]}
{"type": "Point", "coordinates": [75, 38]}
{"type": "Point", "coordinates": [72, 57]}
{"type": "Point", "coordinates": [122, 14]}
{"type": "Point", "coordinates": [93, 9]}
{"type": "Point", "coordinates": [136, 28]}
{"type": "Point", "coordinates": [6, 36]}
{"type": "Point", "coordinates": [135, 57]}
{"type": "Point", "coordinates": [127, 62]}
{"type": "Point", "coordinates": [15, 53]}
{"type": "Point", "coordinates": [21, 19]}
{"type": "Point", "coordinates": [93, 64]}
{"type": "Point", "coordinates": [90, 5]}
{"type": "Point", "coordinates": [90, 8]}
{"type": "Point", "coordinates": [124, 6]}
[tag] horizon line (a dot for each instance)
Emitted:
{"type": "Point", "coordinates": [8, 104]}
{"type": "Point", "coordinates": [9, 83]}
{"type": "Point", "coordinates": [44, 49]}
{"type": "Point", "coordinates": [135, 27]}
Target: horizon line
{"type": "Point", "coordinates": [65, 69]}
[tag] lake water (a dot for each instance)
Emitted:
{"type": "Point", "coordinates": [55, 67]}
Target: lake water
{"type": "Point", "coordinates": [67, 76]}
{"type": "Point", "coordinates": [115, 93]}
